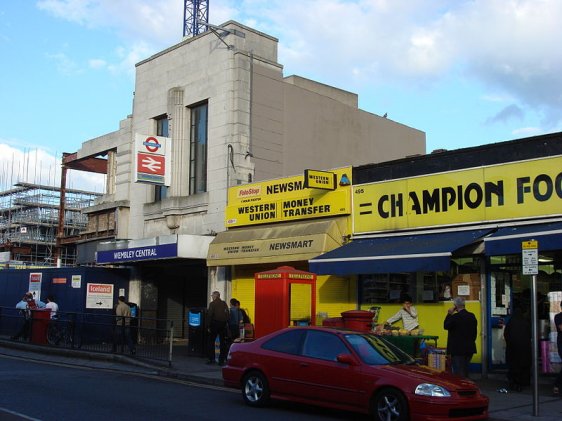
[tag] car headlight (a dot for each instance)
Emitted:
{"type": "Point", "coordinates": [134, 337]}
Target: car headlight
{"type": "Point", "coordinates": [428, 389]}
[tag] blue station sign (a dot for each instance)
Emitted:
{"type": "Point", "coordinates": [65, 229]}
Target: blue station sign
{"type": "Point", "coordinates": [162, 251]}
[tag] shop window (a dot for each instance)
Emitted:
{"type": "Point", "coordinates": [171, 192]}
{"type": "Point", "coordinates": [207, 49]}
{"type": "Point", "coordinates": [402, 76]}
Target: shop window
{"type": "Point", "coordinates": [386, 287]}
{"type": "Point", "coordinates": [436, 287]}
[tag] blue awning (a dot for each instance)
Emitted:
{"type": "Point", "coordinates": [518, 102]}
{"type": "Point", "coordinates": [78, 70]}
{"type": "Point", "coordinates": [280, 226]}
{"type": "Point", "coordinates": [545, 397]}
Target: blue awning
{"type": "Point", "coordinates": [407, 253]}
{"type": "Point", "coordinates": [508, 240]}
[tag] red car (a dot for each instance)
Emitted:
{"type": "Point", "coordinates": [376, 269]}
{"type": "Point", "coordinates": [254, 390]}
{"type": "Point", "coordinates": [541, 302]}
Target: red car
{"type": "Point", "coordinates": [348, 370]}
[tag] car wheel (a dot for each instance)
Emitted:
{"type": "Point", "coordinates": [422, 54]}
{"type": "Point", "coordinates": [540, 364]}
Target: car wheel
{"type": "Point", "coordinates": [255, 389]}
{"type": "Point", "coordinates": [390, 405]}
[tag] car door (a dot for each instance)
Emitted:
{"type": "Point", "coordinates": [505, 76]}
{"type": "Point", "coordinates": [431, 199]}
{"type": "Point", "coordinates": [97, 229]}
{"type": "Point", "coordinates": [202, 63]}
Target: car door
{"type": "Point", "coordinates": [325, 379]}
{"type": "Point", "coordinates": [280, 359]}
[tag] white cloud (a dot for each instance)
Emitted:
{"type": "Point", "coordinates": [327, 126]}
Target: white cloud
{"type": "Point", "coordinates": [38, 166]}
{"type": "Point", "coordinates": [65, 65]}
{"type": "Point", "coordinates": [510, 46]}
{"type": "Point", "coordinates": [527, 131]}
{"type": "Point", "coordinates": [97, 63]}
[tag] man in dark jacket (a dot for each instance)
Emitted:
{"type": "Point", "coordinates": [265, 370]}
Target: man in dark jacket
{"type": "Point", "coordinates": [217, 323]}
{"type": "Point", "coordinates": [461, 341]}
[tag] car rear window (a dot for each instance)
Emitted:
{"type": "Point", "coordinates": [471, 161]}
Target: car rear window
{"type": "Point", "coordinates": [289, 342]}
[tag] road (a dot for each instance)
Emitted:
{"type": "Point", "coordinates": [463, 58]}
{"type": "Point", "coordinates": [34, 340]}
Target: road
{"type": "Point", "coordinates": [46, 391]}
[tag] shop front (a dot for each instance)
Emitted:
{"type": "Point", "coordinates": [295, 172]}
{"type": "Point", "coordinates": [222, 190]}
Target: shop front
{"type": "Point", "coordinates": [430, 268]}
{"type": "Point", "coordinates": [510, 288]}
{"type": "Point", "coordinates": [286, 222]}
{"type": "Point", "coordinates": [452, 224]}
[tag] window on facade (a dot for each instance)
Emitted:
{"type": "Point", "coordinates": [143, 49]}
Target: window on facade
{"type": "Point", "coordinates": [160, 192]}
{"type": "Point", "coordinates": [198, 150]}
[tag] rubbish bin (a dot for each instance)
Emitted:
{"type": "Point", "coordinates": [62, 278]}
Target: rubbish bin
{"type": "Point", "coordinates": [40, 319]}
{"type": "Point", "coordinates": [197, 334]}
{"type": "Point", "coordinates": [358, 320]}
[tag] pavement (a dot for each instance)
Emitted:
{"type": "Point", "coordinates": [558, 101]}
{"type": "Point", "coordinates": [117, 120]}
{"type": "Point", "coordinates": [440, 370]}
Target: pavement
{"type": "Point", "coordinates": [511, 406]}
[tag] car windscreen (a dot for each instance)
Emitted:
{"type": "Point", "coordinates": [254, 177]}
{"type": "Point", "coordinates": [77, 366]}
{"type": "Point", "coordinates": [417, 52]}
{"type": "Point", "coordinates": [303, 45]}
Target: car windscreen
{"type": "Point", "coordinates": [374, 350]}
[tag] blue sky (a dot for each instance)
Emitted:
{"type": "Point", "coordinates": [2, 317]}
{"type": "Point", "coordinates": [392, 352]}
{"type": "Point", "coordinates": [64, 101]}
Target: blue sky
{"type": "Point", "coordinates": [465, 72]}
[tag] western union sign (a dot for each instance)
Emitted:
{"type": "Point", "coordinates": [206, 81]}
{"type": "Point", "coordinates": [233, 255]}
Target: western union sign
{"type": "Point", "coordinates": [323, 180]}
{"type": "Point", "coordinates": [499, 192]}
{"type": "Point", "coordinates": [288, 199]}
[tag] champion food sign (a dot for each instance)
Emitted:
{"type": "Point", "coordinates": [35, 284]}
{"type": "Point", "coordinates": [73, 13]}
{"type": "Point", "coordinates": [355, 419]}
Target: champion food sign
{"type": "Point", "coordinates": [152, 159]}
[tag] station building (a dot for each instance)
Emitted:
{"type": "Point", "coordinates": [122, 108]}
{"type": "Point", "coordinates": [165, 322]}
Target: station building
{"type": "Point", "coordinates": [209, 113]}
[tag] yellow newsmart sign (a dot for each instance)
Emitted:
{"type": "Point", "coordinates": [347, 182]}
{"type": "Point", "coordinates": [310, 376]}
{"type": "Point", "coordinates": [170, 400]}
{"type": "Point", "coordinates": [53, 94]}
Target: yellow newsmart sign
{"type": "Point", "coordinates": [287, 199]}
{"type": "Point", "coordinates": [500, 192]}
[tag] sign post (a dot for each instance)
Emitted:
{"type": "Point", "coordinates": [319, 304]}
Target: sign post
{"type": "Point", "coordinates": [530, 260]}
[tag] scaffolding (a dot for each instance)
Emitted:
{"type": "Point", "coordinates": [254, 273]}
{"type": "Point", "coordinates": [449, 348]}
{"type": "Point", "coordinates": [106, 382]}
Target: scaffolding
{"type": "Point", "coordinates": [29, 217]}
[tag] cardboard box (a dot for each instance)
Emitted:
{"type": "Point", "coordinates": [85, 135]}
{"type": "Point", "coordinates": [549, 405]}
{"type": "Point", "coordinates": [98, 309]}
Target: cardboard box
{"type": "Point", "coordinates": [467, 285]}
{"type": "Point", "coordinates": [437, 359]}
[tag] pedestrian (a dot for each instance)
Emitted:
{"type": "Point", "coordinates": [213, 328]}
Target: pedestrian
{"type": "Point", "coordinates": [51, 304]}
{"type": "Point", "coordinates": [235, 322]}
{"type": "Point", "coordinates": [218, 315]}
{"type": "Point", "coordinates": [123, 326]}
{"type": "Point", "coordinates": [25, 306]}
{"type": "Point", "coordinates": [518, 350]}
{"type": "Point", "coordinates": [558, 324]}
{"type": "Point", "coordinates": [461, 340]}
{"type": "Point", "coordinates": [407, 314]}
{"type": "Point", "coordinates": [238, 318]}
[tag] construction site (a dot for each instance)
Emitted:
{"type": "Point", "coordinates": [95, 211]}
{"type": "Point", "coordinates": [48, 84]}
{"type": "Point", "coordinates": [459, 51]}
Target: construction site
{"type": "Point", "coordinates": [29, 224]}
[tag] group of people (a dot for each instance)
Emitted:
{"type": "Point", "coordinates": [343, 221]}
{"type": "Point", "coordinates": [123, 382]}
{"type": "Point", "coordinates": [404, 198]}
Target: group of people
{"type": "Point", "coordinates": [460, 324]}
{"type": "Point", "coordinates": [26, 305]}
{"type": "Point", "coordinates": [224, 322]}
{"type": "Point", "coordinates": [462, 327]}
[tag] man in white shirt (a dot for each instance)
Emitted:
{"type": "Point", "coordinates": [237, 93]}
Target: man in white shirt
{"type": "Point", "coordinates": [53, 306]}
{"type": "Point", "coordinates": [407, 313]}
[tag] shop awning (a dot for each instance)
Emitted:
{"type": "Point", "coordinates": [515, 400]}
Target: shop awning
{"type": "Point", "coordinates": [508, 240]}
{"type": "Point", "coordinates": [407, 253]}
{"type": "Point", "coordinates": [298, 241]}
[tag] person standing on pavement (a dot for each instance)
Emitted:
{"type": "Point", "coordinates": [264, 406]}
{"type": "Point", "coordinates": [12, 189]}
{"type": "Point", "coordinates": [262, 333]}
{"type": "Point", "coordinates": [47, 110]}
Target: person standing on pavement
{"type": "Point", "coordinates": [235, 319]}
{"type": "Point", "coordinates": [25, 305]}
{"type": "Point", "coordinates": [518, 350]}
{"type": "Point", "coordinates": [558, 324]}
{"type": "Point", "coordinates": [238, 318]}
{"type": "Point", "coordinates": [123, 326]}
{"type": "Point", "coordinates": [54, 307]}
{"type": "Point", "coordinates": [216, 322]}
{"type": "Point", "coordinates": [461, 339]}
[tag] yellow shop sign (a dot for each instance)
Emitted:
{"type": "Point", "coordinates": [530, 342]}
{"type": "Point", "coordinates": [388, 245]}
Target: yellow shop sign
{"type": "Point", "coordinates": [499, 192]}
{"type": "Point", "coordinates": [287, 199]}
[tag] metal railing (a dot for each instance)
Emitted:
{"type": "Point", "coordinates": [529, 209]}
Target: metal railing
{"type": "Point", "coordinates": [150, 339]}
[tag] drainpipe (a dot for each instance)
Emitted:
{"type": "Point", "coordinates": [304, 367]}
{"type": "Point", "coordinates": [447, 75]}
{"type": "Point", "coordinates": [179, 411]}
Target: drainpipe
{"type": "Point", "coordinates": [62, 210]}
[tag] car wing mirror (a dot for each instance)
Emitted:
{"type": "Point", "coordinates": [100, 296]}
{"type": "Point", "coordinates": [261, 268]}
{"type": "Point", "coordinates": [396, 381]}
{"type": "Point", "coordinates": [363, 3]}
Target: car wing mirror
{"type": "Point", "coordinates": [346, 359]}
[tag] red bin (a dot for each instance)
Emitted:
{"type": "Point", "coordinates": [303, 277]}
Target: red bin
{"type": "Point", "coordinates": [360, 320]}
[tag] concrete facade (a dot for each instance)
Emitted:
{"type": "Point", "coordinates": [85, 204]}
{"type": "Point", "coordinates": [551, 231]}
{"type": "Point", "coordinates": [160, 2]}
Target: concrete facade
{"type": "Point", "coordinates": [261, 125]}
{"type": "Point", "coordinates": [296, 124]}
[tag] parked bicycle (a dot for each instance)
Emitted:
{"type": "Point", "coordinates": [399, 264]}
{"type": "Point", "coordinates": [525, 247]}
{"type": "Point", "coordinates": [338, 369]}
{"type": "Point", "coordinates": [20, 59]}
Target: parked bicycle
{"type": "Point", "coordinates": [59, 332]}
